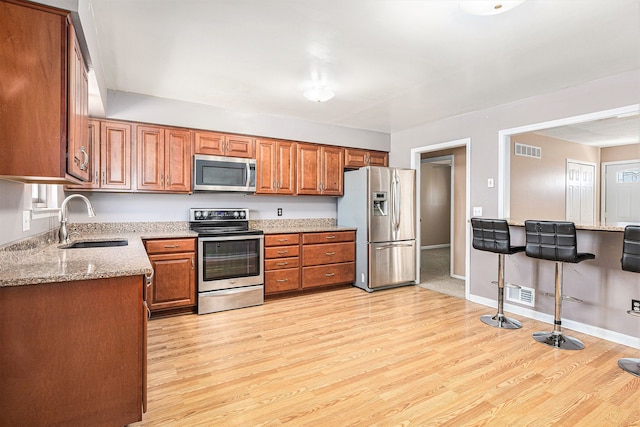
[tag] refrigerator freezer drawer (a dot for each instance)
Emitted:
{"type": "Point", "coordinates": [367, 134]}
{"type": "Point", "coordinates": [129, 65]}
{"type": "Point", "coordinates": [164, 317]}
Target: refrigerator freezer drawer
{"type": "Point", "coordinates": [392, 263]}
{"type": "Point", "coordinates": [228, 299]}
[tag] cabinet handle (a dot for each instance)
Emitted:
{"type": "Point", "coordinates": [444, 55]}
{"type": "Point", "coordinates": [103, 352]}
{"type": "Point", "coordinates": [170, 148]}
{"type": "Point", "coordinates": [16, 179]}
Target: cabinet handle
{"type": "Point", "coordinates": [283, 240]}
{"type": "Point", "coordinates": [329, 253]}
{"type": "Point", "coordinates": [282, 252]}
{"type": "Point", "coordinates": [330, 274]}
{"type": "Point", "coordinates": [148, 313]}
{"type": "Point", "coordinates": [280, 264]}
{"type": "Point", "coordinates": [193, 266]}
{"type": "Point", "coordinates": [171, 246]}
{"type": "Point", "coordinates": [97, 178]}
{"type": "Point", "coordinates": [282, 280]}
{"type": "Point", "coordinates": [104, 177]}
{"type": "Point", "coordinates": [167, 179]}
{"type": "Point", "coordinates": [149, 278]}
{"type": "Point", "coordinates": [330, 237]}
{"type": "Point", "coordinates": [84, 164]}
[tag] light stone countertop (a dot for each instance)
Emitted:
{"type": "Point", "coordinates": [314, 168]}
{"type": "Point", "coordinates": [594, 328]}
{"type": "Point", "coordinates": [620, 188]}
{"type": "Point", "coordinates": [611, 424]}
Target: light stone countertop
{"type": "Point", "coordinates": [304, 229]}
{"type": "Point", "coordinates": [595, 227]}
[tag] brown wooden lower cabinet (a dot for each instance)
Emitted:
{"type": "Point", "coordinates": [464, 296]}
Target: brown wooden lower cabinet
{"type": "Point", "coordinates": [298, 261]}
{"type": "Point", "coordinates": [73, 353]}
{"type": "Point", "coordinates": [173, 288]}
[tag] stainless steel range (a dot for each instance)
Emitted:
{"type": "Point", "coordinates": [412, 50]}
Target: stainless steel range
{"type": "Point", "coordinates": [230, 259]}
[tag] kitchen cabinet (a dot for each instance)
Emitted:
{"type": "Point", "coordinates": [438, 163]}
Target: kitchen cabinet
{"type": "Point", "coordinates": [281, 263]}
{"type": "Point", "coordinates": [73, 353]}
{"type": "Point", "coordinates": [275, 167]}
{"type": "Point", "coordinates": [328, 258]}
{"type": "Point", "coordinates": [355, 158]}
{"type": "Point", "coordinates": [41, 62]}
{"type": "Point", "coordinates": [173, 287]}
{"type": "Point", "coordinates": [320, 169]}
{"type": "Point", "coordinates": [163, 159]}
{"type": "Point", "coordinates": [220, 144]}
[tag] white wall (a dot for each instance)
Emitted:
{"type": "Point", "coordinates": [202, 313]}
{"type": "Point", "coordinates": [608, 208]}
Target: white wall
{"type": "Point", "coordinates": [483, 127]}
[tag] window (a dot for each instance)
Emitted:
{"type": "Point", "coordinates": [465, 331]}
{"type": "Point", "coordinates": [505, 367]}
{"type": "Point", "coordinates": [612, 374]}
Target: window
{"type": "Point", "coordinates": [44, 200]}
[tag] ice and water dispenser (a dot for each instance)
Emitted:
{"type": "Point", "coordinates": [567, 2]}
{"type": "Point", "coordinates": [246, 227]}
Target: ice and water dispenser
{"type": "Point", "coordinates": [379, 203]}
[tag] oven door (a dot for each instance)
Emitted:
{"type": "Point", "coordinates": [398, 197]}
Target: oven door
{"type": "Point", "coordinates": [226, 262]}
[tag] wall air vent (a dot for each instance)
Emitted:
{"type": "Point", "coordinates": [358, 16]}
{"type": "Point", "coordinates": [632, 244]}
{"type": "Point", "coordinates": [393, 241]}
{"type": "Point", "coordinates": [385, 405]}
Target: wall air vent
{"type": "Point", "coordinates": [522, 295]}
{"type": "Point", "coordinates": [528, 151]}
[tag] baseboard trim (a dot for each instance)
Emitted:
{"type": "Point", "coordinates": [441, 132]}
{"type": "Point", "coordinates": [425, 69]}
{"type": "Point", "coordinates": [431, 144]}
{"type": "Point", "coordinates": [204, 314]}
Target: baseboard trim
{"type": "Point", "coordinates": [594, 331]}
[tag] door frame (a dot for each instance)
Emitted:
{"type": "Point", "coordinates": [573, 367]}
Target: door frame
{"type": "Point", "coordinates": [603, 184]}
{"type": "Point", "coordinates": [595, 187]}
{"type": "Point", "coordinates": [415, 164]}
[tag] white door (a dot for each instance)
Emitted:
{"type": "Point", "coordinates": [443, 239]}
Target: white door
{"type": "Point", "coordinates": [580, 192]}
{"type": "Point", "coordinates": [622, 192]}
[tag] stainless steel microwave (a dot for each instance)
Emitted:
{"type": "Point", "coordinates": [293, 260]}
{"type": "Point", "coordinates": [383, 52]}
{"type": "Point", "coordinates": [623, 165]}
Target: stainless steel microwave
{"type": "Point", "coordinates": [218, 173]}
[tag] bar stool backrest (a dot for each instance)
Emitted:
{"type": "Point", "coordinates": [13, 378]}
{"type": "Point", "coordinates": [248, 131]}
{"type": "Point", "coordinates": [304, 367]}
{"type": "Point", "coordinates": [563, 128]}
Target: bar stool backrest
{"type": "Point", "coordinates": [553, 241]}
{"type": "Point", "coordinates": [631, 249]}
{"type": "Point", "coordinates": [492, 235]}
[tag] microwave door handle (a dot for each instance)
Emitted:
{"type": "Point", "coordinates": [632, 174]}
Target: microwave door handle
{"type": "Point", "coordinates": [248, 168]}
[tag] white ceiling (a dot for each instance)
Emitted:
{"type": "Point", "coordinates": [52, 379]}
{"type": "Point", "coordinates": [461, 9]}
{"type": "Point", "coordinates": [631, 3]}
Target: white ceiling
{"type": "Point", "coordinates": [393, 64]}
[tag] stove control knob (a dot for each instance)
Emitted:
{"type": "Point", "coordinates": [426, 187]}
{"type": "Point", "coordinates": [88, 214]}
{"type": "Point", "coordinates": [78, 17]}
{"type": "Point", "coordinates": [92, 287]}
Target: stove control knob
{"type": "Point", "coordinates": [197, 214]}
{"type": "Point", "coordinates": [236, 214]}
{"type": "Point", "coordinates": [242, 214]}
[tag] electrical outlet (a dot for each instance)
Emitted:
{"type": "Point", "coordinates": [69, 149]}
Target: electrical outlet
{"type": "Point", "coordinates": [279, 211]}
{"type": "Point", "coordinates": [477, 211]}
{"type": "Point", "coordinates": [635, 305]}
{"type": "Point", "coordinates": [491, 183]}
{"type": "Point", "coordinates": [26, 220]}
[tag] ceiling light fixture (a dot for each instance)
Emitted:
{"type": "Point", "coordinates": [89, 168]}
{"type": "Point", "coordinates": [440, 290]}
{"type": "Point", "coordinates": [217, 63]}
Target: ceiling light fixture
{"type": "Point", "coordinates": [319, 94]}
{"type": "Point", "coordinates": [488, 7]}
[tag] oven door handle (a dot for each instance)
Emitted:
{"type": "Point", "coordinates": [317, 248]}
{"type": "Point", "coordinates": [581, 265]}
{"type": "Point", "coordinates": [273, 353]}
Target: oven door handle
{"type": "Point", "coordinates": [223, 238]}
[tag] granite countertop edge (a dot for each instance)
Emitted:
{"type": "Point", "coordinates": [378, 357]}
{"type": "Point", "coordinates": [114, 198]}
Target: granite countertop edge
{"type": "Point", "coordinates": [597, 227]}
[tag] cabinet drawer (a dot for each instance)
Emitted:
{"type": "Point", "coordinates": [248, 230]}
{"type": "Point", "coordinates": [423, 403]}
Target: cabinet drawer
{"type": "Point", "coordinates": [281, 263]}
{"type": "Point", "coordinates": [281, 280]}
{"type": "Point", "coordinates": [326, 275]}
{"type": "Point", "coordinates": [167, 246]}
{"type": "Point", "coordinates": [281, 252]}
{"type": "Point", "coordinates": [281, 239]}
{"type": "Point", "coordinates": [328, 237]}
{"type": "Point", "coordinates": [328, 253]}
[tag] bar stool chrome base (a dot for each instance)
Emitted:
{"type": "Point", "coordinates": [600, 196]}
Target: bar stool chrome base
{"type": "Point", "coordinates": [558, 340]}
{"type": "Point", "coordinates": [500, 321]}
{"type": "Point", "coordinates": [630, 365]}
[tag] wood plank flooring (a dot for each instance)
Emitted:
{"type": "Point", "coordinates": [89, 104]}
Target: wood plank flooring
{"type": "Point", "coordinates": [407, 356]}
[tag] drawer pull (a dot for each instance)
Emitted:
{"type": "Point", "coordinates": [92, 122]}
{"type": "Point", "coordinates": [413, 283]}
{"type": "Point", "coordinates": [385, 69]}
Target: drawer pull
{"type": "Point", "coordinates": [283, 240]}
{"type": "Point", "coordinates": [330, 274]}
{"type": "Point", "coordinates": [329, 253]}
{"type": "Point", "coordinates": [282, 263]}
{"type": "Point", "coordinates": [282, 252]}
{"type": "Point", "coordinates": [171, 246]}
{"type": "Point", "coordinates": [282, 280]}
{"type": "Point", "coordinates": [331, 237]}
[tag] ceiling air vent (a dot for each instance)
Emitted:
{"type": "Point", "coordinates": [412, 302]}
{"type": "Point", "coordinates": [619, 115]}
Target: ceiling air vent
{"type": "Point", "coordinates": [528, 151]}
{"type": "Point", "coordinates": [522, 295]}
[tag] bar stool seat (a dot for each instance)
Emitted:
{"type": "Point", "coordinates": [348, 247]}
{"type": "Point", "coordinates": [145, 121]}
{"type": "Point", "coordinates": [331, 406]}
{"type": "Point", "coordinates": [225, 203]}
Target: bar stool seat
{"type": "Point", "coordinates": [630, 261]}
{"type": "Point", "coordinates": [492, 235]}
{"type": "Point", "coordinates": [555, 241]}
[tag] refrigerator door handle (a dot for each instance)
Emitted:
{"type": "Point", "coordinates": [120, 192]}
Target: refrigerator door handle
{"type": "Point", "coordinates": [394, 245]}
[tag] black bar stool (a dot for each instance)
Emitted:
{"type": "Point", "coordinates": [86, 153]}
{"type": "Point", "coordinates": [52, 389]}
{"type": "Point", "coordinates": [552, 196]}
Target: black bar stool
{"type": "Point", "coordinates": [492, 235]}
{"type": "Point", "coordinates": [631, 262]}
{"type": "Point", "coordinates": [555, 241]}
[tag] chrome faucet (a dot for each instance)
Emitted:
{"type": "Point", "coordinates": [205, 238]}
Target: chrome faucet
{"type": "Point", "coordinates": [63, 236]}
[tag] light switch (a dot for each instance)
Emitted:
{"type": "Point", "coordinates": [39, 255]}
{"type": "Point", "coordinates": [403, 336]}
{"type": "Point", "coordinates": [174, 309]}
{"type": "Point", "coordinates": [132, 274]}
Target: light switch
{"type": "Point", "coordinates": [490, 183]}
{"type": "Point", "coordinates": [477, 211]}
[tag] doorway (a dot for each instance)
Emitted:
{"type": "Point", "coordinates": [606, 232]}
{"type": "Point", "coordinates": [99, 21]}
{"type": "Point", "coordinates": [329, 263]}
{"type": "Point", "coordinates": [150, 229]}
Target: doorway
{"type": "Point", "coordinates": [621, 192]}
{"type": "Point", "coordinates": [442, 205]}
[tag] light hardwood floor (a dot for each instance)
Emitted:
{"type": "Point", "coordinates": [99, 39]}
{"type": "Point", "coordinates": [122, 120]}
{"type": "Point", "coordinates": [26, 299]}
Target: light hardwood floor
{"type": "Point", "coordinates": [406, 356]}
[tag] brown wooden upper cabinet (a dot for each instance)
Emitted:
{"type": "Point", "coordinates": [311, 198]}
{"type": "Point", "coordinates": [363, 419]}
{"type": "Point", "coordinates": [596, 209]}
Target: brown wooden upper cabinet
{"type": "Point", "coordinates": [275, 167]}
{"type": "Point", "coordinates": [220, 144]}
{"type": "Point", "coordinates": [164, 159]}
{"type": "Point", "coordinates": [320, 169]}
{"type": "Point", "coordinates": [355, 158]}
{"type": "Point", "coordinates": [41, 64]}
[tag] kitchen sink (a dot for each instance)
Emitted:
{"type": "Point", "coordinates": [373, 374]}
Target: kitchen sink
{"type": "Point", "coordinates": [95, 244]}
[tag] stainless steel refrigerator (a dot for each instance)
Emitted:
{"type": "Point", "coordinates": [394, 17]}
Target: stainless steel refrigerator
{"type": "Point", "coordinates": [380, 202]}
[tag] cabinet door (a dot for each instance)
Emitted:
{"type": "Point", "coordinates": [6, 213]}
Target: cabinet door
{"type": "Point", "coordinates": [173, 283]}
{"type": "Point", "coordinates": [239, 146]}
{"type": "Point", "coordinates": [332, 169]}
{"type": "Point", "coordinates": [115, 155]}
{"type": "Point", "coordinates": [309, 163]}
{"type": "Point", "coordinates": [286, 169]}
{"type": "Point", "coordinates": [78, 149]}
{"type": "Point", "coordinates": [266, 166]}
{"type": "Point", "coordinates": [378, 158]}
{"type": "Point", "coordinates": [178, 161]}
{"type": "Point", "coordinates": [93, 135]}
{"type": "Point", "coordinates": [355, 158]}
{"type": "Point", "coordinates": [210, 143]}
{"type": "Point", "coordinates": [150, 144]}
